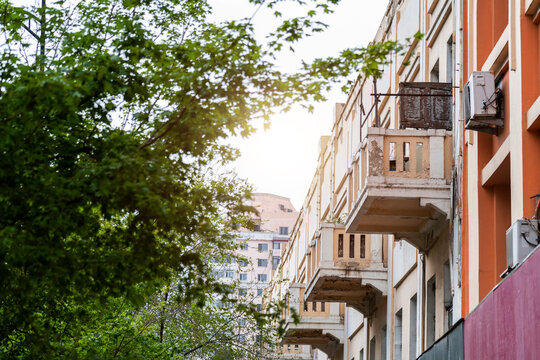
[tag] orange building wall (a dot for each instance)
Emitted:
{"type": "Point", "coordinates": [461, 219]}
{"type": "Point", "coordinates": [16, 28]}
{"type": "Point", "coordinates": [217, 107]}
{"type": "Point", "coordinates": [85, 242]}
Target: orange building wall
{"type": "Point", "coordinates": [530, 39]}
{"type": "Point", "coordinates": [495, 200]}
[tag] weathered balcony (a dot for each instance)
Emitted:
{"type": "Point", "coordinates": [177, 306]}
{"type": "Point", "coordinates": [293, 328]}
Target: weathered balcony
{"type": "Point", "coordinates": [346, 268]}
{"type": "Point", "coordinates": [405, 184]}
{"type": "Point", "coordinates": [320, 325]}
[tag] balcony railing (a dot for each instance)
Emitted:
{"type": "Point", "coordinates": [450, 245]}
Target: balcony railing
{"type": "Point", "coordinates": [404, 185]}
{"type": "Point", "coordinates": [320, 325]}
{"type": "Point", "coordinates": [347, 268]}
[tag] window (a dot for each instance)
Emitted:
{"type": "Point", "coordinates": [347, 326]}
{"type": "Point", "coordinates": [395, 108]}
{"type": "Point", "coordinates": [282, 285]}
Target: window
{"type": "Point", "coordinates": [314, 306]}
{"type": "Point", "coordinates": [242, 292]}
{"type": "Point", "coordinates": [363, 246]}
{"type": "Point", "coordinates": [372, 348]}
{"type": "Point", "coordinates": [275, 261]}
{"type": "Point", "coordinates": [242, 338]}
{"type": "Point", "coordinates": [259, 292]}
{"type": "Point", "coordinates": [323, 306]}
{"type": "Point", "coordinates": [351, 246]}
{"type": "Point", "coordinates": [261, 277]}
{"type": "Point", "coordinates": [242, 322]}
{"type": "Point", "coordinates": [435, 72]}
{"type": "Point", "coordinates": [296, 347]}
{"type": "Point", "coordinates": [340, 246]}
{"type": "Point", "coordinates": [361, 356]}
{"type": "Point", "coordinates": [447, 298]}
{"type": "Point", "coordinates": [244, 246]}
{"type": "Point", "coordinates": [221, 274]}
{"type": "Point", "coordinates": [283, 230]}
{"type": "Point", "coordinates": [263, 247]}
{"type": "Point", "coordinates": [305, 306]}
{"type": "Point", "coordinates": [243, 276]}
{"type": "Point", "coordinates": [398, 335]}
{"type": "Point", "coordinates": [229, 275]}
{"type": "Point", "coordinates": [430, 317]}
{"type": "Point", "coordinates": [383, 343]}
{"type": "Point", "coordinates": [412, 328]}
{"type": "Point", "coordinates": [257, 227]}
{"type": "Point", "coordinates": [259, 307]}
{"type": "Point", "coordinates": [281, 207]}
{"type": "Point", "coordinates": [276, 245]}
{"type": "Point", "coordinates": [242, 262]}
{"type": "Point", "coordinates": [262, 262]}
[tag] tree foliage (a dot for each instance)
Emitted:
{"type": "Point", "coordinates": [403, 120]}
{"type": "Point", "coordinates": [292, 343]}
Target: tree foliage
{"type": "Point", "coordinates": [113, 115]}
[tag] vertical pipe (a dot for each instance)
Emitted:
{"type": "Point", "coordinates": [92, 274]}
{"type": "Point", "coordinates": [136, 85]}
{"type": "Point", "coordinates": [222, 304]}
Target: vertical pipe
{"type": "Point", "coordinates": [421, 304]}
{"type": "Point", "coordinates": [43, 23]}
{"type": "Point", "coordinates": [377, 118]}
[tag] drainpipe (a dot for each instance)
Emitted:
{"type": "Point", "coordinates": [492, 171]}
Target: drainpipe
{"type": "Point", "coordinates": [421, 305]}
{"type": "Point", "coordinates": [390, 297]}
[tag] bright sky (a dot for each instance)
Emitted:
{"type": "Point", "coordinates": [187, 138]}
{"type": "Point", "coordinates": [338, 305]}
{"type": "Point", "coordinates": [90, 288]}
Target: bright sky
{"type": "Point", "coordinates": [282, 160]}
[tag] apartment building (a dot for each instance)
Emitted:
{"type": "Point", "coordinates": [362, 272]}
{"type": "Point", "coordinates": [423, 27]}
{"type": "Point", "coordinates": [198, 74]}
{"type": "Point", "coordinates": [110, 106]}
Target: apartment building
{"type": "Point", "coordinates": [260, 249]}
{"type": "Point", "coordinates": [400, 248]}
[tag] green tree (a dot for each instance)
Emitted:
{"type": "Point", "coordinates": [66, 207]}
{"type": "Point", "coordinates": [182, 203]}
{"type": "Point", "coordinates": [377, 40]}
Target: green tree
{"type": "Point", "coordinates": [112, 114]}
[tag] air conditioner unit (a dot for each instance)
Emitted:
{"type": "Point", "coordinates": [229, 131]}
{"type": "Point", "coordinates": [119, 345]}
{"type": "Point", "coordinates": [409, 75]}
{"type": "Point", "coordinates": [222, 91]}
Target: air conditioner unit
{"type": "Point", "coordinates": [482, 103]}
{"type": "Point", "coordinates": [521, 238]}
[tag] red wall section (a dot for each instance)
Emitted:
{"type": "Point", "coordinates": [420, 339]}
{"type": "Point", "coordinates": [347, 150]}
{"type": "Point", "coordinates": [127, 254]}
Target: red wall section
{"type": "Point", "coordinates": [506, 325]}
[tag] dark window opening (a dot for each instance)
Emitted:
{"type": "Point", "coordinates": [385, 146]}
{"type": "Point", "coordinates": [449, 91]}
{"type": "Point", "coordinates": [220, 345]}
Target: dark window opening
{"type": "Point", "coordinates": [392, 156]}
{"type": "Point", "coordinates": [363, 246]}
{"type": "Point", "coordinates": [340, 245]}
{"type": "Point", "coordinates": [351, 246]}
{"type": "Point", "coordinates": [406, 155]}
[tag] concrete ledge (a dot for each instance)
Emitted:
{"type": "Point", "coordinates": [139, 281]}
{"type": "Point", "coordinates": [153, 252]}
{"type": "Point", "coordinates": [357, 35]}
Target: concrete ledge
{"type": "Point", "coordinates": [533, 114]}
{"type": "Point", "coordinates": [496, 161]}
{"type": "Point", "coordinates": [532, 7]}
{"type": "Point", "coordinates": [438, 24]}
{"type": "Point", "coordinates": [499, 54]}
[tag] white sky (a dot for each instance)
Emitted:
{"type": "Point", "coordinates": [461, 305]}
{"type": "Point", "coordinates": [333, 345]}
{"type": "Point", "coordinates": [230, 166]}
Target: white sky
{"type": "Point", "coordinates": [282, 160]}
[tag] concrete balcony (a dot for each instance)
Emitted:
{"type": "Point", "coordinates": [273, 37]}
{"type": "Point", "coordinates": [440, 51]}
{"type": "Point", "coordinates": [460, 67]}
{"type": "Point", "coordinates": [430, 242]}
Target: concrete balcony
{"type": "Point", "coordinates": [295, 356]}
{"type": "Point", "coordinates": [321, 325]}
{"type": "Point", "coordinates": [404, 186]}
{"type": "Point", "coordinates": [346, 268]}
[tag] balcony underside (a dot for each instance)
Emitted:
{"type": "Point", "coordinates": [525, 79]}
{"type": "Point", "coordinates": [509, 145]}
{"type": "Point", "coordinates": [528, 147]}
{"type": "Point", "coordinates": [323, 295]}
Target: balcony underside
{"type": "Point", "coordinates": [317, 338]}
{"type": "Point", "coordinates": [359, 289]}
{"type": "Point", "coordinates": [408, 208]}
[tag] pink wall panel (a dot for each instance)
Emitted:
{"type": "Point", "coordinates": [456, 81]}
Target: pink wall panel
{"type": "Point", "coordinates": [506, 324]}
